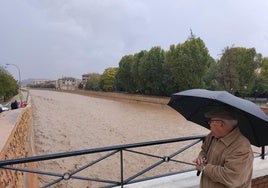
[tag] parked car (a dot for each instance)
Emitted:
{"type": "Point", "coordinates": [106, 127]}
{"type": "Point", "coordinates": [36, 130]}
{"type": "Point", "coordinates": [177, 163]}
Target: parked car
{"type": "Point", "coordinates": [3, 108]}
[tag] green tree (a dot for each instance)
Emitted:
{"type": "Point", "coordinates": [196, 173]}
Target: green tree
{"type": "Point", "coordinates": [8, 85]}
{"type": "Point", "coordinates": [227, 75]}
{"type": "Point", "coordinates": [238, 69]}
{"type": "Point", "coordinates": [210, 77]}
{"type": "Point", "coordinates": [93, 83]}
{"type": "Point", "coordinates": [107, 82]}
{"type": "Point", "coordinates": [172, 66]}
{"type": "Point", "coordinates": [261, 86]}
{"type": "Point", "coordinates": [136, 71]}
{"type": "Point", "coordinates": [124, 77]}
{"type": "Point", "coordinates": [188, 63]}
{"type": "Point", "coordinates": [151, 71]}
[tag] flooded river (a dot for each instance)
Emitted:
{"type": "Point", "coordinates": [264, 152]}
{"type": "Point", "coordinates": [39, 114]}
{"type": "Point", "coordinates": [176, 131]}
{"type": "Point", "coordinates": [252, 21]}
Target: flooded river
{"type": "Point", "coordinates": [68, 122]}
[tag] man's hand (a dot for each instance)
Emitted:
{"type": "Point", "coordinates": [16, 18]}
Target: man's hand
{"type": "Point", "coordinates": [199, 160]}
{"type": "Point", "coordinates": [200, 163]}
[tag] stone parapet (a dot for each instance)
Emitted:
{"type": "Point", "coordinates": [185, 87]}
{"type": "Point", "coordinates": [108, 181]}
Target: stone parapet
{"type": "Point", "coordinates": [260, 182]}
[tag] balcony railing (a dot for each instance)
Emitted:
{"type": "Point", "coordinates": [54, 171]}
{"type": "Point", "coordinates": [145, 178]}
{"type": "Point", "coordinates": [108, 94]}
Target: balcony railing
{"type": "Point", "coordinates": [108, 152]}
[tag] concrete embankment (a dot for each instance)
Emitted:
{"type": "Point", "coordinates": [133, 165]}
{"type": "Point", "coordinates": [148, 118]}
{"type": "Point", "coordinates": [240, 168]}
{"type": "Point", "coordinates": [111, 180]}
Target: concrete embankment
{"type": "Point", "coordinates": [14, 143]}
{"type": "Point", "coordinates": [122, 96]}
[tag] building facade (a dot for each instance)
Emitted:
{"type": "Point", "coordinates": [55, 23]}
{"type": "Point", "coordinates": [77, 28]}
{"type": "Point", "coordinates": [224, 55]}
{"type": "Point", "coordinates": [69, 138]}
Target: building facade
{"type": "Point", "coordinates": [67, 83]}
{"type": "Point", "coordinates": [85, 78]}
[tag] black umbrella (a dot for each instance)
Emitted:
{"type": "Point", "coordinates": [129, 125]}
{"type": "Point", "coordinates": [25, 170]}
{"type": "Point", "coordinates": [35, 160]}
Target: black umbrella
{"type": "Point", "coordinates": [194, 103]}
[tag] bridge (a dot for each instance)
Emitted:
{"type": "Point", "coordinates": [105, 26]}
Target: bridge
{"type": "Point", "coordinates": [19, 169]}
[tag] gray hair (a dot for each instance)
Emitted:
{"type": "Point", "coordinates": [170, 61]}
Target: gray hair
{"type": "Point", "coordinates": [231, 122]}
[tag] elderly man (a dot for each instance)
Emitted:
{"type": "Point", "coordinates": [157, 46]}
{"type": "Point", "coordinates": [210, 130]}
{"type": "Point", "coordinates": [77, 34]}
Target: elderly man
{"type": "Point", "coordinates": [226, 157]}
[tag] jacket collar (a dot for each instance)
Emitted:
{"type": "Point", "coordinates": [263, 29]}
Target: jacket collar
{"type": "Point", "coordinates": [231, 137]}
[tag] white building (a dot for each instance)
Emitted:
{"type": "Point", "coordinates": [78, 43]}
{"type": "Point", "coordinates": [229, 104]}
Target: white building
{"type": "Point", "coordinates": [67, 83]}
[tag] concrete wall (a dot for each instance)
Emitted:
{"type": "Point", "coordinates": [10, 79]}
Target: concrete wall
{"type": "Point", "coordinates": [260, 182]}
{"type": "Point", "coordinates": [15, 144]}
{"type": "Point", "coordinates": [122, 96]}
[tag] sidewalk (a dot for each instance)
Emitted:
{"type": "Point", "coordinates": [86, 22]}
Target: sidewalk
{"type": "Point", "coordinates": [24, 98]}
{"type": "Point", "coordinates": [185, 180]}
{"type": "Point", "coordinates": [8, 120]}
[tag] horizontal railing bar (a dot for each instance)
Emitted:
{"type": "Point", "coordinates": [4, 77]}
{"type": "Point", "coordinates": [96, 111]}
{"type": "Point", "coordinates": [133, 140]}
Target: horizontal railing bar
{"type": "Point", "coordinates": [183, 162]}
{"type": "Point", "coordinates": [32, 171]}
{"type": "Point", "coordinates": [94, 150]}
{"type": "Point", "coordinates": [142, 153]}
{"type": "Point", "coordinates": [57, 175]}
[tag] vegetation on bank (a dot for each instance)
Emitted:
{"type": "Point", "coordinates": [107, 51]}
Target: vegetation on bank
{"type": "Point", "coordinates": [8, 85]}
{"type": "Point", "coordinates": [241, 71]}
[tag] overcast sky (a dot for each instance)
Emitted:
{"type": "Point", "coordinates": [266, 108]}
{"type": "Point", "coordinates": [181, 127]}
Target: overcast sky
{"type": "Point", "coordinates": [57, 38]}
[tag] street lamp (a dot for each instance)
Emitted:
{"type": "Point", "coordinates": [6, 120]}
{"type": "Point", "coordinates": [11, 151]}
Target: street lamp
{"type": "Point", "coordinates": [18, 70]}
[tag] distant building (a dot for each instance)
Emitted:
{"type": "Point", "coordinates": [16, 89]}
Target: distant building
{"type": "Point", "coordinates": [67, 83]}
{"type": "Point", "coordinates": [45, 83]}
{"type": "Point", "coordinates": [40, 82]}
{"type": "Point", "coordinates": [51, 83]}
{"type": "Point", "coordinates": [85, 78]}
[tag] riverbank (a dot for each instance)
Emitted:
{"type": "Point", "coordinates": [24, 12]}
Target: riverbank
{"type": "Point", "coordinates": [145, 98]}
{"type": "Point", "coordinates": [119, 96]}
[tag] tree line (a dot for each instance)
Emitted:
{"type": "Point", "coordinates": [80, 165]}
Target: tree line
{"type": "Point", "coordinates": [241, 71]}
{"type": "Point", "coordinates": [8, 85]}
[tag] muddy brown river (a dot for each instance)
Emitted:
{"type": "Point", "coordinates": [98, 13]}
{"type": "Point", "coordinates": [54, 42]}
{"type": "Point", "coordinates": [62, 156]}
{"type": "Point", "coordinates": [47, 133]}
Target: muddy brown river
{"type": "Point", "coordinates": [68, 122]}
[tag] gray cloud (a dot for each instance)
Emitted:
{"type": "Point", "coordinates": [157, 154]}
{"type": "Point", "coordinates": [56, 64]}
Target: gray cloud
{"type": "Point", "coordinates": [51, 39]}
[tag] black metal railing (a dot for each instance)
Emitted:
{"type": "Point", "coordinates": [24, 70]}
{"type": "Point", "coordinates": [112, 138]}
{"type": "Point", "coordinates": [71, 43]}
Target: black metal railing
{"type": "Point", "coordinates": [107, 153]}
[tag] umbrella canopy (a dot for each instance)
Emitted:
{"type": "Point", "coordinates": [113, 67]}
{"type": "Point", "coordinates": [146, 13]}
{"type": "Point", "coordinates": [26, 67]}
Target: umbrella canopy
{"type": "Point", "coordinates": [194, 103]}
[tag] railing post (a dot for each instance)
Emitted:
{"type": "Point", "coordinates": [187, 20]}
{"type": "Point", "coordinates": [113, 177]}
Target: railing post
{"type": "Point", "coordinates": [122, 168]}
{"type": "Point", "coordinates": [262, 152]}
